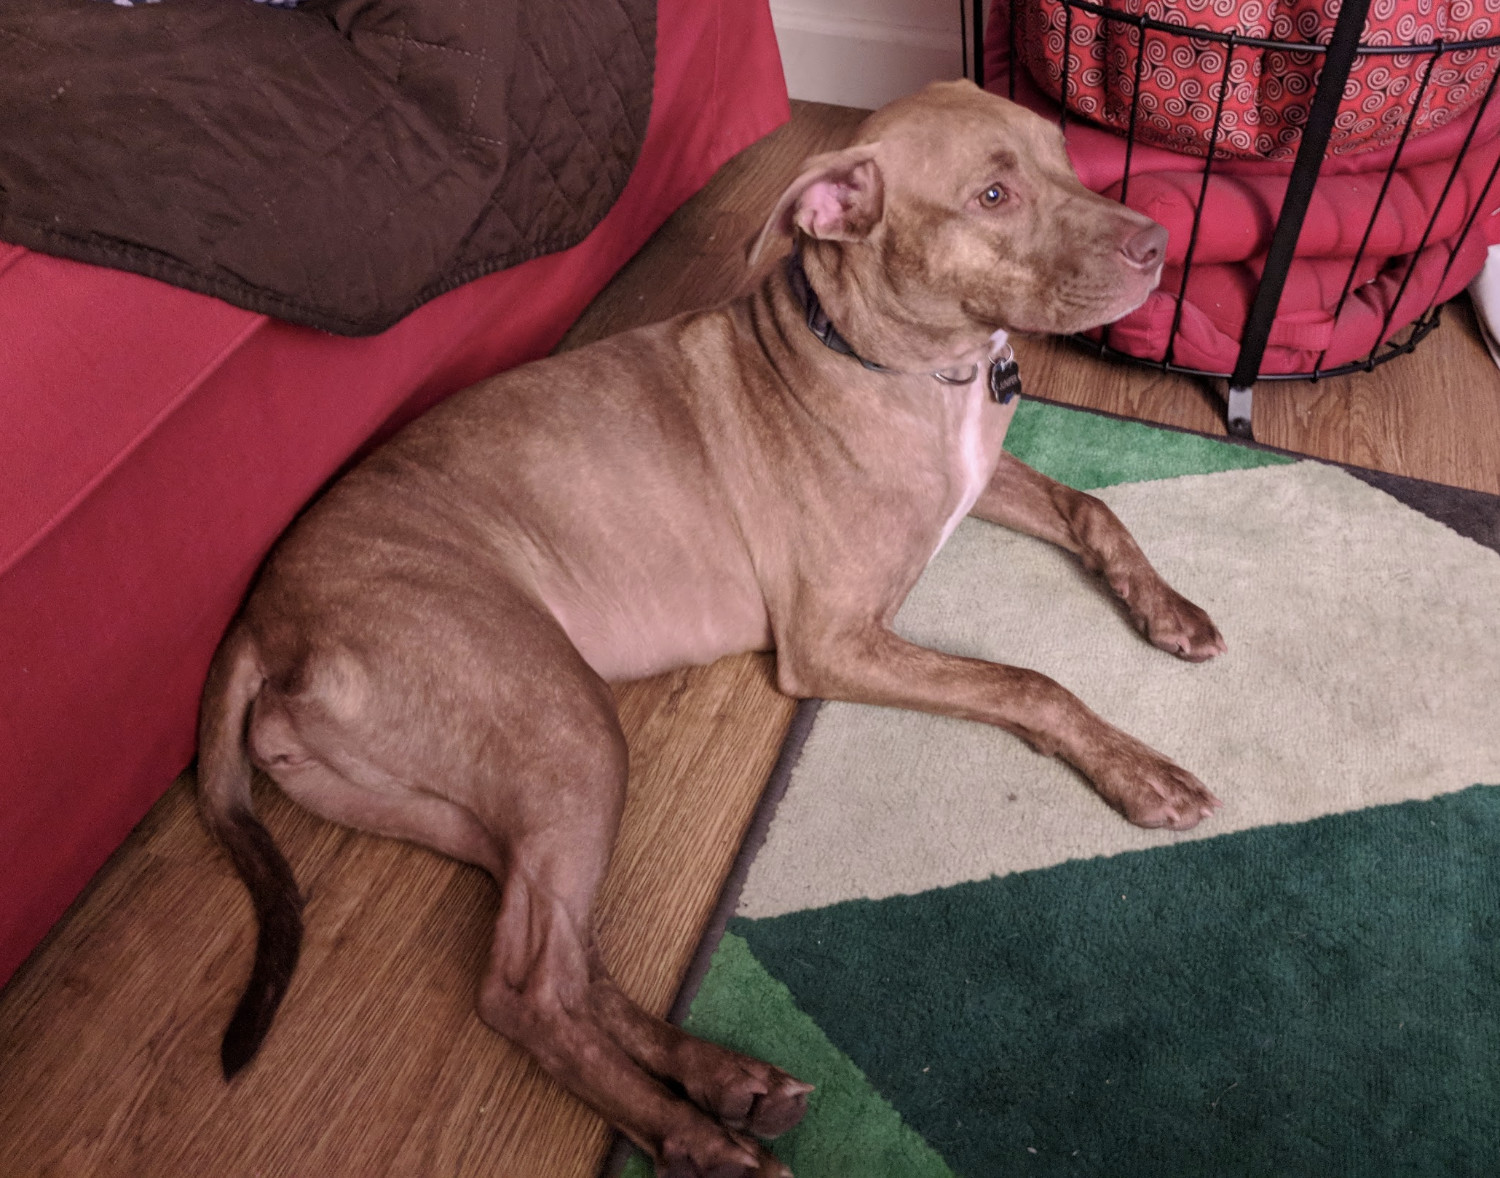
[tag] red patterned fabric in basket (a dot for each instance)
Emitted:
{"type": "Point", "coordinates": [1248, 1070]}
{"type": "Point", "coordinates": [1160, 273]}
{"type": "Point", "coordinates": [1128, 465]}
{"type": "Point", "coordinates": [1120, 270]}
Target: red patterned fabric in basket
{"type": "Point", "coordinates": [1270, 90]}
{"type": "Point", "coordinates": [1196, 316]}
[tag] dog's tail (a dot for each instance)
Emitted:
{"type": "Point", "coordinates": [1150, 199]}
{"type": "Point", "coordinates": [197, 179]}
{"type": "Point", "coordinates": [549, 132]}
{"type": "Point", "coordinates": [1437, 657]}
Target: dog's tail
{"type": "Point", "coordinates": [224, 775]}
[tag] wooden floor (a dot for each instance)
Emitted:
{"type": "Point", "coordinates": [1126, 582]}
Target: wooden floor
{"type": "Point", "coordinates": [109, 1035]}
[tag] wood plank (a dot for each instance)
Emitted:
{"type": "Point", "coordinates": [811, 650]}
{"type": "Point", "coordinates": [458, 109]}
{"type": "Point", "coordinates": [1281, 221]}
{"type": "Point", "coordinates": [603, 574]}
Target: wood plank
{"type": "Point", "coordinates": [377, 1064]}
{"type": "Point", "coordinates": [1434, 414]}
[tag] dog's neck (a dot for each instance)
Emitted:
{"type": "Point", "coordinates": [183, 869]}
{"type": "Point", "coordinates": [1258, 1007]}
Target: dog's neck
{"type": "Point", "coordinates": [999, 364]}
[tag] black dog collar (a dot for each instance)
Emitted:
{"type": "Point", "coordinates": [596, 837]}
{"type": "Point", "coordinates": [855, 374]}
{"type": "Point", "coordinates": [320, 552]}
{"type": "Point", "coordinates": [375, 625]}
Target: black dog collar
{"type": "Point", "coordinates": [1004, 373]}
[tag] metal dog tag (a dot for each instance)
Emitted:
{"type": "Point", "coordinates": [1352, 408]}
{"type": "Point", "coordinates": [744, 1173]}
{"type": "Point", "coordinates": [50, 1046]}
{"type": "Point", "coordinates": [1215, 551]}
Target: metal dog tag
{"type": "Point", "coordinates": [1005, 380]}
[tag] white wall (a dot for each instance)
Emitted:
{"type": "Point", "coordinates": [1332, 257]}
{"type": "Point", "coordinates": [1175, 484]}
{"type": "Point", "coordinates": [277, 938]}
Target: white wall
{"type": "Point", "coordinates": [866, 52]}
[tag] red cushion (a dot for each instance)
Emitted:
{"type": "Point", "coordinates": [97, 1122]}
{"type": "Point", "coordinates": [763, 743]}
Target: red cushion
{"type": "Point", "coordinates": [155, 442]}
{"type": "Point", "coordinates": [1270, 90]}
{"type": "Point", "coordinates": [1241, 204]}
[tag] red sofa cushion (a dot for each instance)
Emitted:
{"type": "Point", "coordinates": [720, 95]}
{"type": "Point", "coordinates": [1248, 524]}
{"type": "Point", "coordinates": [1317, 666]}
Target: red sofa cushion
{"type": "Point", "coordinates": [155, 442]}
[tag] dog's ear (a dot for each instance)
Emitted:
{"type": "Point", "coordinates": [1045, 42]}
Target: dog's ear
{"type": "Point", "coordinates": [839, 197]}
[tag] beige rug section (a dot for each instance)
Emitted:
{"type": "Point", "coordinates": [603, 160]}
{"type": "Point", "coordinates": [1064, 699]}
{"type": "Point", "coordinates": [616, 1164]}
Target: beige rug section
{"type": "Point", "coordinates": [1363, 668]}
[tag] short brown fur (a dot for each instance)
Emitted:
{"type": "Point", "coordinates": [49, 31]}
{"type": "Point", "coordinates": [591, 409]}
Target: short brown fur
{"type": "Point", "coordinates": [426, 653]}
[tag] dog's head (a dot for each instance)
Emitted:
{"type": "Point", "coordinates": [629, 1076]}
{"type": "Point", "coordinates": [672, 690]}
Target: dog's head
{"type": "Point", "coordinates": [956, 213]}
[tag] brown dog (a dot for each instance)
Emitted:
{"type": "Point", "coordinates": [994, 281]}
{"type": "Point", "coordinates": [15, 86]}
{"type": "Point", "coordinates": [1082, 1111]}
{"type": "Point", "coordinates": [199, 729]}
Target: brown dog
{"type": "Point", "coordinates": [426, 652]}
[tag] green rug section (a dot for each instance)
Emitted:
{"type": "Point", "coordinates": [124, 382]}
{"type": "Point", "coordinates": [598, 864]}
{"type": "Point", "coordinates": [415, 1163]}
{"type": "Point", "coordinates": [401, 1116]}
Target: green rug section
{"type": "Point", "coordinates": [1312, 999]}
{"type": "Point", "coordinates": [849, 1129]}
{"type": "Point", "coordinates": [1087, 451]}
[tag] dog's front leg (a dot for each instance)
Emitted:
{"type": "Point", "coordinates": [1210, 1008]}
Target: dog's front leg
{"type": "Point", "coordinates": [1028, 501]}
{"type": "Point", "coordinates": [871, 664]}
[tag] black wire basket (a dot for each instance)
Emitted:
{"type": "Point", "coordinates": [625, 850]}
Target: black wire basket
{"type": "Point", "coordinates": [1136, 36]}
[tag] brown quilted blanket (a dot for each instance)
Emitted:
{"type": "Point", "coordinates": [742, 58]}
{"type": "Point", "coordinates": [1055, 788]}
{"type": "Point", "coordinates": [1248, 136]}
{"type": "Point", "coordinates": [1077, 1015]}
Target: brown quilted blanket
{"type": "Point", "coordinates": [335, 165]}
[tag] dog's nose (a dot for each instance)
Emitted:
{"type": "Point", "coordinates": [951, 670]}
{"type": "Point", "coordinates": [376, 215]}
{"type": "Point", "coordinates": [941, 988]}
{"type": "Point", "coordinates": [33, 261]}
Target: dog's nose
{"type": "Point", "coordinates": [1148, 247]}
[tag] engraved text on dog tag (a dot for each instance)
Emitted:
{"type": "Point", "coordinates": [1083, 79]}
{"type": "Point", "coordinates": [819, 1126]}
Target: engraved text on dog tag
{"type": "Point", "coordinates": [1005, 380]}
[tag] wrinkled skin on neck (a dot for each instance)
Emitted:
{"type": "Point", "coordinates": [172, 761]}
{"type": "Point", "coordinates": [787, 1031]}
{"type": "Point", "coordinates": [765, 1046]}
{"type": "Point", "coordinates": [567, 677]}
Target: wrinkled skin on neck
{"type": "Point", "coordinates": [955, 265]}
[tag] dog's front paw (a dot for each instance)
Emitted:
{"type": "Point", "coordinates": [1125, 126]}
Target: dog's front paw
{"type": "Point", "coordinates": [1150, 790]}
{"type": "Point", "coordinates": [1174, 624]}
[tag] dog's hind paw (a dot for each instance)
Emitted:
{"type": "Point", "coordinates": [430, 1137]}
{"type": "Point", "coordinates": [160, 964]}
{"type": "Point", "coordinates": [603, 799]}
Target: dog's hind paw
{"type": "Point", "coordinates": [706, 1154]}
{"type": "Point", "coordinates": [755, 1097]}
{"type": "Point", "coordinates": [746, 1094]}
{"type": "Point", "coordinates": [772, 1113]}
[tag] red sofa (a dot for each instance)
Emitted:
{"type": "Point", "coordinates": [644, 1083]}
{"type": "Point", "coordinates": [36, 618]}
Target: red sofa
{"type": "Point", "coordinates": [154, 442]}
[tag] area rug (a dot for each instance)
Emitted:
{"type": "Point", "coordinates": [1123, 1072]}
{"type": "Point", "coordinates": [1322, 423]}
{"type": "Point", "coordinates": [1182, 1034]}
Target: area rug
{"type": "Point", "coordinates": [986, 972]}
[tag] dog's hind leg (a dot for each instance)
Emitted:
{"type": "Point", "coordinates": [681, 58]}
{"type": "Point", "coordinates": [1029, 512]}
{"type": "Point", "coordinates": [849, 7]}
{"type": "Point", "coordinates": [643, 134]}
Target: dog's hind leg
{"type": "Point", "coordinates": [545, 835]}
{"type": "Point", "coordinates": [538, 986]}
{"type": "Point", "coordinates": [524, 777]}
{"type": "Point", "coordinates": [536, 992]}
{"type": "Point", "coordinates": [1028, 501]}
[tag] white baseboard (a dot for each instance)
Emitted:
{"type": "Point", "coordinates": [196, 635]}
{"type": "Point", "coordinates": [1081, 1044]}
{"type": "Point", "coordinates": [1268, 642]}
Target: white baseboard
{"type": "Point", "coordinates": [852, 61]}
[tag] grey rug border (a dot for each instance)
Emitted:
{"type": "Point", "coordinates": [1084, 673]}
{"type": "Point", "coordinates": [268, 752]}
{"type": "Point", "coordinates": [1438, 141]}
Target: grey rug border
{"type": "Point", "coordinates": [1413, 492]}
{"type": "Point", "coordinates": [755, 838]}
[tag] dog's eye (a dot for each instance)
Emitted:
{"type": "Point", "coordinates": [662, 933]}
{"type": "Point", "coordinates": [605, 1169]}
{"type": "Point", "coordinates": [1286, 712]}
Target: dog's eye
{"type": "Point", "coordinates": [992, 196]}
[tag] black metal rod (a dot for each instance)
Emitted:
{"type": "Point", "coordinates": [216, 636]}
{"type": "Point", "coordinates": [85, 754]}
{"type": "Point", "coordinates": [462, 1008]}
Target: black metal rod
{"type": "Point", "coordinates": [1010, 72]}
{"type": "Point", "coordinates": [1288, 229]}
{"type": "Point", "coordinates": [1135, 103]}
{"type": "Point", "coordinates": [1315, 134]}
{"type": "Point", "coordinates": [963, 36]}
{"type": "Point", "coordinates": [977, 25]}
{"type": "Point", "coordinates": [1469, 224]}
{"type": "Point", "coordinates": [1458, 162]}
{"type": "Point", "coordinates": [1208, 167]}
{"type": "Point", "coordinates": [1182, 30]}
{"type": "Point", "coordinates": [1067, 64]}
{"type": "Point", "coordinates": [1420, 331]}
{"type": "Point", "coordinates": [1385, 186]}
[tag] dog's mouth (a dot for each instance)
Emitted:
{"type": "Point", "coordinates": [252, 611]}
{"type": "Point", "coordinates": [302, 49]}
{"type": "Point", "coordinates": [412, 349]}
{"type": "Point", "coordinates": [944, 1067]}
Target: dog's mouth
{"type": "Point", "coordinates": [1133, 285]}
{"type": "Point", "coordinates": [1139, 291]}
{"type": "Point", "coordinates": [1085, 306]}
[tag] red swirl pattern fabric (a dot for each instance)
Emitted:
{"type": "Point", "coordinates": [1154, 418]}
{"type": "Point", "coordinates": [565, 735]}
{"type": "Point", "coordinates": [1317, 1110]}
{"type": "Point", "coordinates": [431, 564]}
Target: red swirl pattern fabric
{"type": "Point", "coordinates": [1269, 90]}
{"type": "Point", "coordinates": [1411, 240]}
